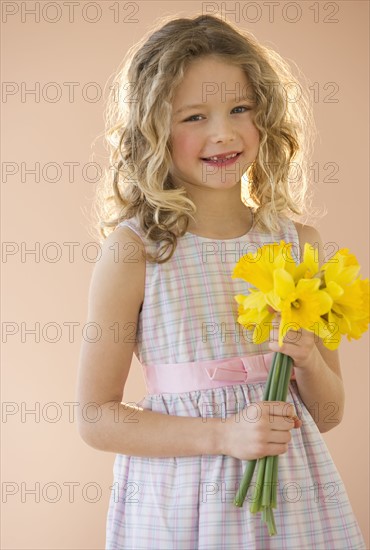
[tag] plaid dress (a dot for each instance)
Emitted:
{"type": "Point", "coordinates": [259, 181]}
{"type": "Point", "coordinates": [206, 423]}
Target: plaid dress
{"type": "Point", "coordinates": [186, 503]}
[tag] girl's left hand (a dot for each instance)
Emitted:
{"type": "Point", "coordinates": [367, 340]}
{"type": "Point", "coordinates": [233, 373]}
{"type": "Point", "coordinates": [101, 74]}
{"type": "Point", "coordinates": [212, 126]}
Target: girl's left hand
{"type": "Point", "coordinates": [298, 344]}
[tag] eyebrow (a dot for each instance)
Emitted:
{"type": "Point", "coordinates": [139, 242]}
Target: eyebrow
{"type": "Point", "coordinates": [200, 105]}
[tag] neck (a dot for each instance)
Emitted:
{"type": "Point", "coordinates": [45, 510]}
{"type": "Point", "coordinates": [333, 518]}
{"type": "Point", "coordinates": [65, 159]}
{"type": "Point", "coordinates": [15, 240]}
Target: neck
{"type": "Point", "coordinates": [220, 214]}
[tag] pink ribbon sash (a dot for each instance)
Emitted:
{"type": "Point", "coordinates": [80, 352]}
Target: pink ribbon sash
{"type": "Point", "coordinates": [202, 375]}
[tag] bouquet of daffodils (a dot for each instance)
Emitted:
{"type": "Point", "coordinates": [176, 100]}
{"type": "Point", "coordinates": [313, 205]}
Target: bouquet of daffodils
{"type": "Point", "coordinates": [331, 301]}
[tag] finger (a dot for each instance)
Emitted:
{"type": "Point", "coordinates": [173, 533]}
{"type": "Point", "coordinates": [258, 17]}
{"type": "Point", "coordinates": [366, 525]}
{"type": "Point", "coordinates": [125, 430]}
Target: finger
{"type": "Point", "coordinates": [279, 436]}
{"type": "Point", "coordinates": [284, 409]}
{"type": "Point", "coordinates": [277, 449]}
{"type": "Point", "coordinates": [279, 408]}
{"type": "Point", "coordinates": [282, 425]}
{"type": "Point", "coordinates": [286, 424]}
{"type": "Point", "coordinates": [297, 423]}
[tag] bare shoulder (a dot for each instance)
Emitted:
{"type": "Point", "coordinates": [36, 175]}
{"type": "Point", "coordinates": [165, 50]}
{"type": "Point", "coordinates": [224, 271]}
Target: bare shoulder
{"type": "Point", "coordinates": [115, 297]}
{"type": "Point", "coordinates": [128, 245]}
{"type": "Point", "coordinates": [125, 236]}
{"type": "Point", "coordinates": [120, 270]}
{"type": "Point", "coordinates": [306, 232]}
{"type": "Point", "coordinates": [309, 234]}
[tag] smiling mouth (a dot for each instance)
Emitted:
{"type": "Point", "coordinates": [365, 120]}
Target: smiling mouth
{"type": "Point", "coordinates": [222, 159]}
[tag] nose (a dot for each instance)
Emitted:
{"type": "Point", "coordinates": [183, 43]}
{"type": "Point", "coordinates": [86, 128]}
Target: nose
{"type": "Point", "coordinates": [222, 130]}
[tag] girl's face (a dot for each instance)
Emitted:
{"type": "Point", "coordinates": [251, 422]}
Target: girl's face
{"type": "Point", "coordinates": [220, 123]}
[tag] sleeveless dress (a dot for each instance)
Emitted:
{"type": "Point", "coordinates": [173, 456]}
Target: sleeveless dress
{"type": "Point", "coordinates": [186, 503]}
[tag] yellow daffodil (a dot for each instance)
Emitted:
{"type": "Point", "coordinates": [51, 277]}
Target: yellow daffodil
{"type": "Point", "coordinates": [302, 303]}
{"type": "Point", "coordinates": [258, 267]}
{"type": "Point", "coordinates": [254, 313]}
{"type": "Point", "coordinates": [349, 314]}
{"type": "Point", "coordinates": [330, 301]}
{"type": "Point", "coordinates": [360, 321]}
{"type": "Point", "coordinates": [310, 265]}
{"type": "Point", "coordinates": [342, 268]}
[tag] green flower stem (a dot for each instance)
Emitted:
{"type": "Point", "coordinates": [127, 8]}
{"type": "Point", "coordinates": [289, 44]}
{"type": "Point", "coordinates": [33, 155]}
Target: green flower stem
{"type": "Point", "coordinates": [270, 520]}
{"type": "Point", "coordinates": [257, 495]}
{"type": "Point", "coordinates": [245, 483]}
{"type": "Point", "coordinates": [288, 372]}
{"type": "Point", "coordinates": [269, 378]}
{"type": "Point", "coordinates": [271, 473]}
{"type": "Point", "coordinates": [281, 381]}
{"type": "Point", "coordinates": [264, 496]}
{"type": "Point", "coordinates": [251, 464]}
{"type": "Point", "coordinates": [267, 482]}
{"type": "Point", "coordinates": [262, 492]}
{"type": "Point", "coordinates": [267, 478]}
{"type": "Point", "coordinates": [274, 481]}
{"type": "Point", "coordinates": [281, 395]}
{"type": "Point", "coordinates": [275, 377]}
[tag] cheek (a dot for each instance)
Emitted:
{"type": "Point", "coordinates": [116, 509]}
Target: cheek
{"type": "Point", "coordinates": [252, 133]}
{"type": "Point", "coordinates": [185, 144]}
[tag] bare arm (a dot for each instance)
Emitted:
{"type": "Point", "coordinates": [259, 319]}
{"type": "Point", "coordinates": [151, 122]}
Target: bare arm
{"type": "Point", "coordinates": [115, 296]}
{"type": "Point", "coordinates": [125, 429]}
{"type": "Point", "coordinates": [320, 383]}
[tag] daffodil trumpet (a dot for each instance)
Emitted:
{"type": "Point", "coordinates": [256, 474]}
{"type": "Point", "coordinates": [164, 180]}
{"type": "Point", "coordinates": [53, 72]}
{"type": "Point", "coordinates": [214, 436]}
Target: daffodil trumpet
{"type": "Point", "coordinates": [331, 300]}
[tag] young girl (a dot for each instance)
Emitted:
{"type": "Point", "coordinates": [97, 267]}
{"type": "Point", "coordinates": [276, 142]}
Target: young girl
{"type": "Point", "coordinates": [202, 106]}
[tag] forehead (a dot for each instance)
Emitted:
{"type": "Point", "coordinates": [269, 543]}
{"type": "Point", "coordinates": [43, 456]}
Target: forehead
{"type": "Point", "coordinates": [208, 80]}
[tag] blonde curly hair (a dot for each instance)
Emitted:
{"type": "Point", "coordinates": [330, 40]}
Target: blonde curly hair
{"type": "Point", "coordinates": [138, 130]}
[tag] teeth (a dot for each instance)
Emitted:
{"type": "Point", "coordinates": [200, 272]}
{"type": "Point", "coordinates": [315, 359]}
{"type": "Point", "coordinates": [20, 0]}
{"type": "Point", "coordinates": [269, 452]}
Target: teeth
{"type": "Point", "coordinates": [223, 158]}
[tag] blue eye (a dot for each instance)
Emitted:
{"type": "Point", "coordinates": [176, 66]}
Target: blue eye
{"type": "Point", "coordinates": [190, 117]}
{"type": "Point", "coordinates": [247, 108]}
{"type": "Point", "coordinates": [243, 107]}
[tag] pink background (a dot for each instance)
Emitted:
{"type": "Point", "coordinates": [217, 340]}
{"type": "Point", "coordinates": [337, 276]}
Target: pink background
{"type": "Point", "coordinates": [45, 454]}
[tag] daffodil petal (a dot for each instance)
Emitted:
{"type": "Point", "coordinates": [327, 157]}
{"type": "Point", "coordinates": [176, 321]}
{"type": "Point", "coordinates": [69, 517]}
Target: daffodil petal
{"type": "Point", "coordinates": [334, 289]}
{"type": "Point", "coordinates": [310, 258]}
{"type": "Point", "coordinates": [283, 283]}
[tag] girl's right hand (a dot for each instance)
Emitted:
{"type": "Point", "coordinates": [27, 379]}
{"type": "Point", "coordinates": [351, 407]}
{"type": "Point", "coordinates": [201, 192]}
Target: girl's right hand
{"type": "Point", "coordinates": [260, 429]}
